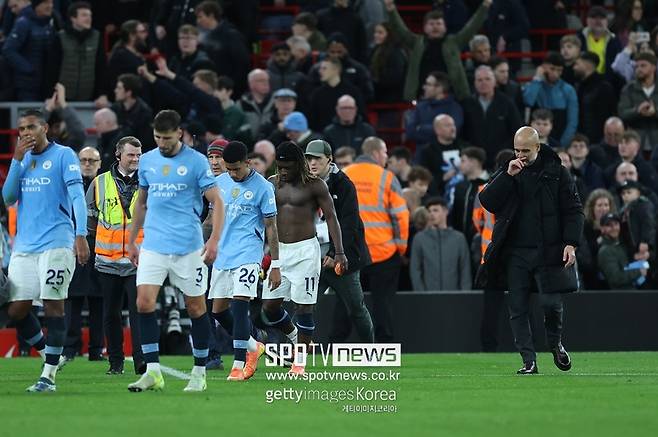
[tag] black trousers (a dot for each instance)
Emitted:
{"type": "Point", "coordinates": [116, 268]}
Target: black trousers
{"type": "Point", "coordinates": [73, 310]}
{"type": "Point", "coordinates": [493, 304]}
{"type": "Point", "coordinates": [350, 308]}
{"type": "Point", "coordinates": [381, 279]}
{"type": "Point", "coordinates": [522, 275]}
{"type": "Point", "coordinates": [115, 288]}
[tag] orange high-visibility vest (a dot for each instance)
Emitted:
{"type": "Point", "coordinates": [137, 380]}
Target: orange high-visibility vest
{"type": "Point", "coordinates": [382, 208]}
{"type": "Point", "coordinates": [113, 229]}
{"type": "Point", "coordinates": [484, 222]}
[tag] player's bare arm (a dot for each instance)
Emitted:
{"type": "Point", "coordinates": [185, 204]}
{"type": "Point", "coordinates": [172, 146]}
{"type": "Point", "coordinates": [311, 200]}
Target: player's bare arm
{"type": "Point", "coordinates": [273, 240]}
{"type": "Point", "coordinates": [210, 250]}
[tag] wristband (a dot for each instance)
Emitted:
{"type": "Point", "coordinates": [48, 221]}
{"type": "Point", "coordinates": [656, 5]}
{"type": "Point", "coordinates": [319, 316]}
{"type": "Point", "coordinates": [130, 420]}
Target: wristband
{"type": "Point", "coordinates": [275, 264]}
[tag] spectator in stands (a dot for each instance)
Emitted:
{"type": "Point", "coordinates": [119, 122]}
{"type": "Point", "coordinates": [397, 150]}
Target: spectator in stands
{"type": "Point", "coordinates": [599, 203]}
{"type": "Point", "coordinates": [109, 132]}
{"type": "Point", "coordinates": [490, 117]}
{"type": "Point", "coordinates": [297, 130]}
{"type": "Point", "coordinates": [638, 102]}
{"type": "Point", "coordinates": [596, 96]}
{"type": "Point", "coordinates": [436, 100]}
{"type": "Point", "coordinates": [285, 101]}
{"type": "Point", "coordinates": [471, 166]}
{"type": "Point", "coordinates": [281, 68]}
{"type": "Point", "coordinates": [305, 25]}
{"type": "Point", "coordinates": [506, 25]}
{"type": "Point", "coordinates": [27, 49]}
{"type": "Point", "coordinates": [418, 182]}
{"type": "Point", "coordinates": [542, 121]}
{"type": "Point", "coordinates": [629, 18]}
{"type": "Point", "coordinates": [134, 115]}
{"type": "Point", "coordinates": [565, 158]}
{"type": "Point", "coordinates": [504, 84]}
{"type": "Point", "coordinates": [433, 156]}
{"type": "Point", "coordinates": [399, 162]}
{"type": "Point", "coordinates": [352, 70]}
{"type": "Point", "coordinates": [454, 12]}
{"type": "Point", "coordinates": [612, 258]}
{"type": "Point", "coordinates": [172, 16]}
{"type": "Point", "coordinates": [257, 103]}
{"type": "Point", "coordinates": [597, 38]}
{"type": "Point", "coordinates": [301, 53]}
{"type": "Point", "coordinates": [324, 99]}
{"type": "Point", "coordinates": [624, 63]}
{"type": "Point", "coordinates": [591, 174]}
{"type": "Point", "coordinates": [126, 56]}
{"type": "Point", "coordinates": [629, 151]}
{"type": "Point", "coordinates": [344, 156]}
{"type": "Point", "coordinates": [372, 12]}
{"type": "Point", "coordinates": [386, 226]}
{"type": "Point", "coordinates": [10, 11]}
{"type": "Point", "coordinates": [189, 58]}
{"type": "Point", "coordinates": [388, 65]}
{"type": "Point", "coordinates": [347, 128]}
{"type": "Point", "coordinates": [548, 90]}
{"type": "Point", "coordinates": [85, 284]}
{"type": "Point", "coordinates": [267, 150]}
{"type": "Point", "coordinates": [480, 51]}
{"type": "Point", "coordinates": [342, 18]}
{"type": "Point", "coordinates": [81, 56]}
{"type": "Point", "coordinates": [224, 43]}
{"type": "Point", "coordinates": [440, 258]}
{"type": "Point", "coordinates": [434, 50]}
{"type": "Point", "coordinates": [570, 49]}
{"type": "Point", "coordinates": [627, 171]}
{"type": "Point", "coordinates": [605, 152]}
{"type": "Point", "coordinates": [64, 124]}
{"type": "Point", "coordinates": [234, 124]}
{"type": "Point", "coordinates": [638, 222]}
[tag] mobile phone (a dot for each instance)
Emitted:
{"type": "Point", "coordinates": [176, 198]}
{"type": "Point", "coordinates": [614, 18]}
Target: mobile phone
{"type": "Point", "coordinates": [642, 37]}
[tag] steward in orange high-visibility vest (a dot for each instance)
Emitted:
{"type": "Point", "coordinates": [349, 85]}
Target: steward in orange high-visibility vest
{"type": "Point", "coordinates": [483, 221]}
{"type": "Point", "coordinates": [382, 208]}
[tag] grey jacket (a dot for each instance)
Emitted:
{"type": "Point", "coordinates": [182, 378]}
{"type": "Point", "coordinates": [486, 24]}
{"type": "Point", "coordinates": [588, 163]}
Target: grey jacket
{"type": "Point", "coordinates": [440, 260]}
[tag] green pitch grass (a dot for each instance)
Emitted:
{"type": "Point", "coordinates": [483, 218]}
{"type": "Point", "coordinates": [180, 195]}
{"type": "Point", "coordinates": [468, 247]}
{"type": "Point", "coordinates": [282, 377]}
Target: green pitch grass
{"type": "Point", "coordinates": [606, 394]}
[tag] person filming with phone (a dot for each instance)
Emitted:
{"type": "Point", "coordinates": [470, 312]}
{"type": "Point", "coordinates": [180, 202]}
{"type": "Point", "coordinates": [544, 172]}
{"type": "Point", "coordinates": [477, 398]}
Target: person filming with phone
{"type": "Point", "coordinates": [539, 222]}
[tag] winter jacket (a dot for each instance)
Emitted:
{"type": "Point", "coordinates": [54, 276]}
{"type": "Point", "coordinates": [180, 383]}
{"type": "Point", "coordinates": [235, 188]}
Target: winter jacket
{"type": "Point", "coordinates": [188, 65]}
{"type": "Point", "coordinates": [612, 48]}
{"type": "Point", "coordinates": [136, 121]}
{"type": "Point", "coordinates": [27, 50]}
{"type": "Point", "coordinates": [338, 135]}
{"type": "Point", "coordinates": [611, 261]}
{"type": "Point", "coordinates": [561, 99]}
{"type": "Point", "coordinates": [228, 51]}
{"type": "Point", "coordinates": [255, 115]}
{"type": "Point", "coordinates": [451, 51]}
{"type": "Point", "coordinates": [323, 103]}
{"type": "Point", "coordinates": [80, 57]}
{"type": "Point", "coordinates": [283, 77]}
{"type": "Point", "coordinates": [560, 215]}
{"type": "Point", "coordinates": [440, 260]}
{"type": "Point", "coordinates": [638, 225]}
{"type": "Point", "coordinates": [419, 126]}
{"type": "Point", "coordinates": [630, 98]}
{"type": "Point", "coordinates": [598, 101]}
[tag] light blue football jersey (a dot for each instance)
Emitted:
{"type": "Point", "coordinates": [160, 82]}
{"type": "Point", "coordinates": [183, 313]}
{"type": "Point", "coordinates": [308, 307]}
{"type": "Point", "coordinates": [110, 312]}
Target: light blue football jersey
{"type": "Point", "coordinates": [45, 212]}
{"type": "Point", "coordinates": [174, 204]}
{"type": "Point", "coordinates": [247, 203]}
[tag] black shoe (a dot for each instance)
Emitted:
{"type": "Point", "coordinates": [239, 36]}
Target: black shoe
{"type": "Point", "coordinates": [561, 358]}
{"type": "Point", "coordinates": [115, 369]}
{"type": "Point", "coordinates": [528, 368]}
{"type": "Point", "coordinates": [140, 368]}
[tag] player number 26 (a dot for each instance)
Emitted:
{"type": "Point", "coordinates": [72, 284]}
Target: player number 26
{"type": "Point", "coordinates": [247, 276]}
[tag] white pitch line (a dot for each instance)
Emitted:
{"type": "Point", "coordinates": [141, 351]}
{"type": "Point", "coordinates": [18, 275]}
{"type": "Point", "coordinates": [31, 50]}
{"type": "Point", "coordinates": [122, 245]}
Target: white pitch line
{"type": "Point", "coordinates": [171, 371]}
{"type": "Point", "coordinates": [452, 375]}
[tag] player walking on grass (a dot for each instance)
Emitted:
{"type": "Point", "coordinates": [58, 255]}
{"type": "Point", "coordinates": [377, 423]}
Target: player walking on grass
{"type": "Point", "coordinates": [298, 197]}
{"type": "Point", "coordinates": [172, 180]}
{"type": "Point", "coordinates": [44, 177]}
{"type": "Point", "coordinates": [250, 212]}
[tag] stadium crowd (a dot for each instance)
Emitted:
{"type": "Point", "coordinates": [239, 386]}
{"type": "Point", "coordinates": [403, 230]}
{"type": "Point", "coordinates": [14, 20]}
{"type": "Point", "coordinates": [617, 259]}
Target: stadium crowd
{"type": "Point", "coordinates": [592, 98]}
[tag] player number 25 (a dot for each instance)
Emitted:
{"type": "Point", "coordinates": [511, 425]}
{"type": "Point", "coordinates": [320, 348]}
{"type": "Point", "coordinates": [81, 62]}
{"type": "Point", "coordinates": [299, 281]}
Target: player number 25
{"type": "Point", "coordinates": [55, 274]}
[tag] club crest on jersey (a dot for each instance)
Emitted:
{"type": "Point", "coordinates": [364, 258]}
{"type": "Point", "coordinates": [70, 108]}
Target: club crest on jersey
{"type": "Point", "coordinates": [166, 169]}
{"type": "Point", "coordinates": [235, 192]}
{"type": "Point", "coordinates": [182, 170]}
{"type": "Point", "coordinates": [248, 195]}
{"type": "Point", "coordinates": [47, 164]}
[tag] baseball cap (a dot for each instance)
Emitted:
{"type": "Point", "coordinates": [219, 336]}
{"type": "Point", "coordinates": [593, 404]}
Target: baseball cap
{"type": "Point", "coordinates": [609, 217]}
{"type": "Point", "coordinates": [284, 92]}
{"type": "Point", "coordinates": [296, 121]}
{"type": "Point", "coordinates": [318, 148]}
{"type": "Point", "coordinates": [627, 185]}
